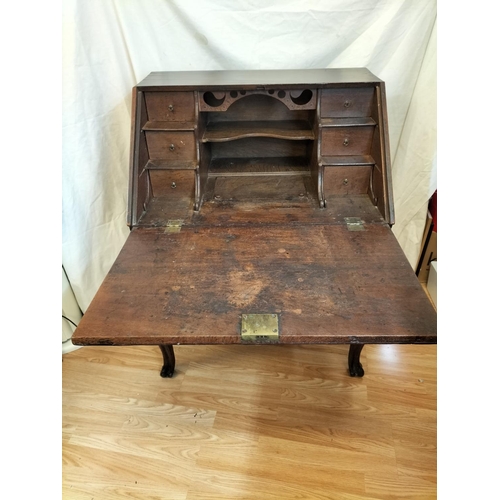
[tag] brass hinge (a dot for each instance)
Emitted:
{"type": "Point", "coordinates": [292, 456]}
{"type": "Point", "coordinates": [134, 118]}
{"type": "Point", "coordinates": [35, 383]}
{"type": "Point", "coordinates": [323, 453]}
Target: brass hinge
{"type": "Point", "coordinates": [354, 224]}
{"type": "Point", "coordinates": [260, 328]}
{"type": "Point", "coordinates": [174, 226]}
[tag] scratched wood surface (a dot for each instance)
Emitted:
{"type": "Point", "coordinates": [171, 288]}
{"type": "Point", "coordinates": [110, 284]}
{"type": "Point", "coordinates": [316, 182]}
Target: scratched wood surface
{"type": "Point", "coordinates": [326, 283]}
{"type": "Point", "coordinates": [249, 422]}
{"type": "Point", "coordinates": [297, 205]}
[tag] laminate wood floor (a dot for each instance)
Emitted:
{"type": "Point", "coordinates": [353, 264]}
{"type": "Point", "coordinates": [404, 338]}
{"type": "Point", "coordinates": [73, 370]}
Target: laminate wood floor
{"type": "Point", "coordinates": [249, 422]}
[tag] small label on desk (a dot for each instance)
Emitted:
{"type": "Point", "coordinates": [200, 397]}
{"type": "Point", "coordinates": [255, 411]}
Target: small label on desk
{"type": "Point", "coordinates": [260, 328]}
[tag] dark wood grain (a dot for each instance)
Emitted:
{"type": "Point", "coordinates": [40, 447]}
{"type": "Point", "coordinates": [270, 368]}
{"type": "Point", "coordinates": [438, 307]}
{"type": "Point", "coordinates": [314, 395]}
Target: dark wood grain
{"type": "Point", "coordinates": [174, 184]}
{"type": "Point", "coordinates": [255, 107]}
{"type": "Point", "coordinates": [277, 189]}
{"type": "Point", "coordinates": [168, 126]}
{"type": "Point", "coordinates": [253, 79]}
{"type": "Point", "coordinates": [166, 164]}
{"type": "Point", "coordinates": [260, 147]}
{"type": "Point", "coordinates": [237, 167]}
{"type": "Point", "coordinates": [294, 100]}
{"type": "Point", "coordinates": [347, 180]}
{"type": "Point", "coordinates": [228, 131]}
{"type": "Point", "coordinates": [347, 102]}
{"type": "Point", "coordinates": [385, 153]}
{"type": "Point", "coordinates": [347, 122]}
{"type": "Point", "coordinates": [132, 177]}
{"type": "Point", "coordinates": [197, 142]}
{"type": "Point", "coordinates": [315, 155]}
{"type": "Point", "coordinates": [284, 208]}
{"type": "Point", "coordinates": [328, 284]}
{"type": "Point", "coordinates": [346, 141]}
{"type": "Point", "coordinates": [139, 185]}
{"type": "Point", "coordinates": [346, 160]}
{"type": "Point", "coordinates": [171, 145]}
{"type": "Point", "coordinates": [170, 106]}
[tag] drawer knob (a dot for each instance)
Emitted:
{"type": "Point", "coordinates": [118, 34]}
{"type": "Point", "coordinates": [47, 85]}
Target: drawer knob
{"type": "Point", "coordinates": [347, 104]}
{"type": "Point", "coordinates": [346, 142]}
{"type": "Point", "coordinates": [171, 107]}
{"type": "Point", "coordinates": [171, 147]}
{"type": "Point", "coordinates": [174, 185]}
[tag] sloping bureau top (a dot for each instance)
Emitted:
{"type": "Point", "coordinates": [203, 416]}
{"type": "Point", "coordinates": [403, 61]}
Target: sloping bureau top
{"type": "Point", "coordinates": [248, 79]}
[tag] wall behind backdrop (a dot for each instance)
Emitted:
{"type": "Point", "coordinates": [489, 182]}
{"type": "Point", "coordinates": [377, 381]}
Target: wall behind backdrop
{"type": "Point", "coordinates": [111, 45]}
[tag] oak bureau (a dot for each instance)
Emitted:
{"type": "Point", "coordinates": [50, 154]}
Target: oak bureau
{"type": "Point", "coordinates": [260, 208]}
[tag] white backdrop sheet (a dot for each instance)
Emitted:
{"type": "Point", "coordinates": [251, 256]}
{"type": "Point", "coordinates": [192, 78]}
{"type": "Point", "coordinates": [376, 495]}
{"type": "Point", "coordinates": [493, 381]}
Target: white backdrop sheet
{"type": "Point", "coordinates": [109, 46]}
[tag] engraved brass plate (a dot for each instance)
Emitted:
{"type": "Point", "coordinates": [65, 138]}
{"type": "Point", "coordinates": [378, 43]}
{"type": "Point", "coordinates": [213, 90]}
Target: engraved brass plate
{"type": "Point", "coordinates": [354, 224]}
{"type": "Point", "coordinates": [260, 328]}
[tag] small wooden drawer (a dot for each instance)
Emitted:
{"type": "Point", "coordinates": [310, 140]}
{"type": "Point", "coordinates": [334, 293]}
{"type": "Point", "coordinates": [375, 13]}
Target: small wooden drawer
{"type": "Point", "coordinates": [175, 184]}
{"type": "Point", "coordinates": [346, 180]}
{"type": "Point", "coordinates": [171, 145]}
{"type": "Point", "coordinates": [349, 102]}
{"type": "Point", "coordinates": [346, 141]}
{"type": "Point", "coordinates": [170, 106]}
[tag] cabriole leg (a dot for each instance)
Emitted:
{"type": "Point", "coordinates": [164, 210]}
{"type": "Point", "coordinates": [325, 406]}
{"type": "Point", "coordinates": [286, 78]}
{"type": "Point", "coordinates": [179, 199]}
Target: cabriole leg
{"type": "Point", "coordinates": [355, 367]}
{"type": "Point", "coordinates": [168, 360]}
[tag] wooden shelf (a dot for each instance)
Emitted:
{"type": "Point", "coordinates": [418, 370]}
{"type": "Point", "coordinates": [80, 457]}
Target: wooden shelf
{"type": "Point", "coordinates": [347, 161]}
{"type": "Point", "coordinates": [240, 167]}
{"type": "Point", "coordinates": [171, 165]}
{"type": "Point", "coordinates": [294, 130]}
{"type": "Point", "coordinates": [347, 122]}
{"type": "Point", "coordinates": [157, 126]}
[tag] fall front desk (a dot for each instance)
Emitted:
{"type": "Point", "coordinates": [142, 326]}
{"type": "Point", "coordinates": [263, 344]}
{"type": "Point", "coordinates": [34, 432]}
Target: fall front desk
{"type": "Point", "coordinates": [260, 209]}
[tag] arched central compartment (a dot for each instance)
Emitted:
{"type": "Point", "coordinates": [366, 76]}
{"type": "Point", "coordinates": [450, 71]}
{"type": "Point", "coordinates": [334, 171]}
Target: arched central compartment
{"type": "Point", "coordinates": [294, 99]}
{"type": "Point", "coordinates": [258, 136]}
{"type": "Point", "coordinates": [258, 116]}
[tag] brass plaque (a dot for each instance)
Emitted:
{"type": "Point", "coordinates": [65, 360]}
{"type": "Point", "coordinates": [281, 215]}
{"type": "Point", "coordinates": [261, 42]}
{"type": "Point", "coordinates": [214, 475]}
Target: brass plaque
{"type": "Point", "coordinates": [260, 328]}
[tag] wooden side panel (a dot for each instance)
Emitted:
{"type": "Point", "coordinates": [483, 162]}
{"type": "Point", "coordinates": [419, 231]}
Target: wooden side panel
{"type": "Point", "coordinates": [315, 167]}
{"type": "Point", "coordinates": [132, 162]}
{"type": "Point", "coordinates": [144, 194]}
{"type": "Point", "coordinates": [382, 194]}
{"type": "Point", "coordinates": [377, 190]}
{"type": "Point", "coordinates": [139, 186]}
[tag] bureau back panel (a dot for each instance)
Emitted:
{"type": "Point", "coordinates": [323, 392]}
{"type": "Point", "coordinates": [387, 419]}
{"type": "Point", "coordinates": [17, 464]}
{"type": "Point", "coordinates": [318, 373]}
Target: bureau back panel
{"type": "Point", "coordinates": [260, 147]}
